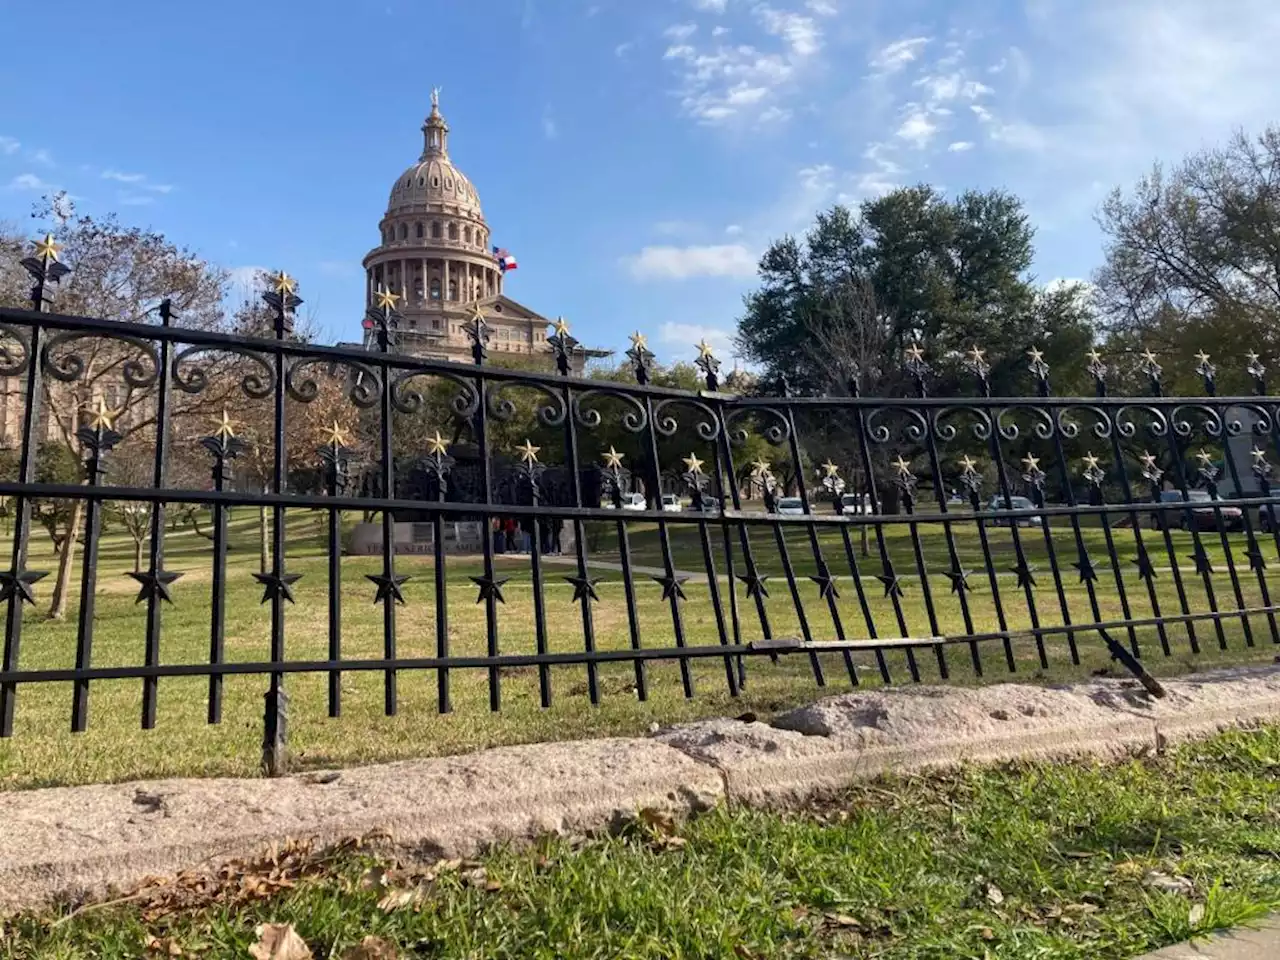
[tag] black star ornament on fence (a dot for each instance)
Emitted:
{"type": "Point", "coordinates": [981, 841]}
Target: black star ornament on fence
{"type": "Point", "coordinates": [277, 585]}
{"type": "Point", "coordinates": [490, 588]}
{"type": "Point", "coordinates": [155, 584]}
{"type": "Point", "coordinates": [18, 583]}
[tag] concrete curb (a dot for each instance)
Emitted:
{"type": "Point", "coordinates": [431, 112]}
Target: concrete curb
{"type": "Point", "coordinates": [73, 843]}
{"type": "Point", "coordinates": [1262, 943]}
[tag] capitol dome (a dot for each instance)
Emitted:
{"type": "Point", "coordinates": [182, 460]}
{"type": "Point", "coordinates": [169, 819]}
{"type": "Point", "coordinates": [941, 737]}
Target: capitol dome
{"type": "Point", "coordinates": [434, 182]}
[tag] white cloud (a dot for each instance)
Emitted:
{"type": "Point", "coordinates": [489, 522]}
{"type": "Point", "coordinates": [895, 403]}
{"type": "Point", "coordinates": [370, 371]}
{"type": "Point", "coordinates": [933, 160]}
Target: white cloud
{"type": "Point", "coordinates": [681, 31]}
{"type": "Point", "coordinates": [918, 126]}
{"type": "Point", "coordinates": [685, 263]}
{"type": "Point", "coordinates": [897, 55]}
{"type": "Point", "coordinates": [622, 49]}
{"type": "Point", "coordinates": [719, 31]}
{"type": "Point", "coordinates": [242, 282]}
{"type": "Point", "coordinates": [733, 230]}
{"type": "Point", "coordinates": [711, 6]}
{"type": "Point", "coordinates": [123, 177]}
{"type": "Point", "coordinates": [28, 181]}
{"type": "Point", "coordinates": [800, 33]}
{"type": "Point", "coordinates": [8, 145]}
{"type": "Point", "coordinates": [160, 187]}
{"type": "Point", "coordinates": [42, 156]}
{"type": "Point", "coordinates": [960, 146]}
{"type": "Point", "coordinates": [688, 335]}
{"type": "Point", "coordinates": [823, 8]}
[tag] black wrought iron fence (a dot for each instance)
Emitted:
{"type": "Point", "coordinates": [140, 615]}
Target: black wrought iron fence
{"type": "Point", "coordinates": [919, 538]}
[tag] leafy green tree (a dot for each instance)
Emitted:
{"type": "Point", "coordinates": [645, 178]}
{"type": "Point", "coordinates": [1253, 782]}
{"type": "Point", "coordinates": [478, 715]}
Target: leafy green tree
{"type": "Point", "coordinates": [1193, 263]}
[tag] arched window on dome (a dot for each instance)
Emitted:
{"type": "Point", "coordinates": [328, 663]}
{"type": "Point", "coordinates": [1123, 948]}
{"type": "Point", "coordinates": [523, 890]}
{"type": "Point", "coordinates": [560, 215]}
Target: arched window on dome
{"type": "Point", "coordinates": [419, 231]}
{"type": "Point", "coordinates": [453, 231]}
{"type": "Point", "coordinates": [453, 289]}
{"type": "Point", "coordinates": [435, 288]}
{"type": "Point", "coordinates": [435, 230]}
{"type": "Point", "coordinates": [467, 234]}
{"type": "Point", "coordinates": [404, 231]}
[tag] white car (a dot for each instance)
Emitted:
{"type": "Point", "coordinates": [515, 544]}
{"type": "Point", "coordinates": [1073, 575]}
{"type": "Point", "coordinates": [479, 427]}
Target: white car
{"type": "Point", "coordinates": [853, 504]}
{"type": "Point", "coordinates": [671, 503]}
{"type": "Point", "coordinates": [633, 501]}
{"type": "Point", "coordinates": [790, 507]}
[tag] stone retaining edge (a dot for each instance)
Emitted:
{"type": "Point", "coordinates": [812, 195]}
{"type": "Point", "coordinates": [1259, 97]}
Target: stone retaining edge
{"type": "Point", "coordinates": [74, 843]}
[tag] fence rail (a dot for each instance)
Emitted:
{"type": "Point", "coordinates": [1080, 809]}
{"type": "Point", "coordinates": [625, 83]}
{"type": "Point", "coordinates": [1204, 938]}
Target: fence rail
{"type": "Point", "coordinates": [876, 537]}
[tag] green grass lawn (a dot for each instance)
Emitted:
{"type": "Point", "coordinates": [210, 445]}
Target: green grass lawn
{"type": "Point", "coordinates": [1052, 861]}
{"type": "Point", "coordinates": [44, 752]}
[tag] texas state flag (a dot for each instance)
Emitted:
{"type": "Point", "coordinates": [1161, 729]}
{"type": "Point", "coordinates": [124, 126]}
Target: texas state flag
{"type": "Point", "coordinates": [505, 260]}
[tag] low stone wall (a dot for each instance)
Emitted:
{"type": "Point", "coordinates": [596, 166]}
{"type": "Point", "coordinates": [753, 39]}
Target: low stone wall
{"type": "Point", "coordinates": [77, 842]}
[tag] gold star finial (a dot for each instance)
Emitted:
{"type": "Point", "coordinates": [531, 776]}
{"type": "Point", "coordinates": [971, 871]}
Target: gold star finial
{"type": "Point", "coordinates": [1036, 355]}
{"type": "Point", "coordinates": [385, 299]}
{"type": "Point", "coordinates": [761, 468]}
{"type": "Point", "coordinates": [528, 452]}
{"type": "Point", "coordinates": [1251, 356]}
{"type": "Point", "coordinates": [1093, 355]}
{"type": "Point", "coordinates": [1206, 459]}
{"type": "Point", "coordinates": [692, 464]}
{"type": "Point", "coordinates": [967, 464]}
{"type": "Point", "coordinates": [704, 349]}
{"type": "Point", "coordinates": [561, 328]}
{"type": "Point", "coordinates": [1031, 463]}
{"type": "Point", "coordinates": [477, 316]}
{"type": "Point", "coordinates": [639, 341]}
{"type": "Point", "coordinates": [1148, 459]}
{"type": "Point", "coordinates": [225, 430]}
{"type": "Point", "coordinates": [1090, 461]}
{"type": "Point", "coordinates": [1202, 357]}
{"type": "Point", "coordinates": [337, 437]}
{"type": "Point", "coordinates": [903, 466]}
{"type": "Point", "coordinates": [829, 469]}
{"type": "Point", "coordinates": [437, 446]}
{"type": "Point", "coordinates": [915, 352]}
{"type": "Point", "coordinates": [284, 284]}
{"type": "Point", "coordinates": [101, 418]}
{"type": "Point", "coordinates": [1258, 455]}
{"type": "Point", "coordinates": [613, 459]}
{"type": "Point", "coordinates": [48, 248]}
{"type": "Point", "coordinates": [977, 354]}
{"type": "Point", "coordinates": [1148, 356]}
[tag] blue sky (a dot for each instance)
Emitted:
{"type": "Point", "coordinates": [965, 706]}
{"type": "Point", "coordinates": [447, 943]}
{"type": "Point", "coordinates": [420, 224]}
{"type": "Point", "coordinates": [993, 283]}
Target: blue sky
{"type": "Point", "coordinates": [635, 156]}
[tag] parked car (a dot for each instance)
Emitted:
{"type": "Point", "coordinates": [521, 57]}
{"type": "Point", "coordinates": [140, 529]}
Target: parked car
{"type": "Point", "coordinates": [1269, 517]}
{"type": "Point", "coordinates": [671, 503]}
{"type": "Point", "coordinates": [999, 502]}
{"type": "Point", "coordinates": [710, 506]}
{"type": "Point", "coordinates": [1203, 514]}
{"type": "Point", "coordinates": [791, 507]}
{"type": "Point", "coordinates": [633, 501]}
{"type": "Point", "coordinates": [855, 504]}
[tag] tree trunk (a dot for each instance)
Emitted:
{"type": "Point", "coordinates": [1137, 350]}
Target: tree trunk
{"type": "Point", "coordinates": [137, 553]}
{"type": "Point", "coordinates": [62, 586]}
{"type": "Point", "coordinates": [263, 539]}
{"type": "Point", "coordinates": [866, 540]}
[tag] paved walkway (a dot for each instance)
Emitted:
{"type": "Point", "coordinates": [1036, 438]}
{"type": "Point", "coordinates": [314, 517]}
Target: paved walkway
{"type": "Point", "coordinates": [1262, 943]}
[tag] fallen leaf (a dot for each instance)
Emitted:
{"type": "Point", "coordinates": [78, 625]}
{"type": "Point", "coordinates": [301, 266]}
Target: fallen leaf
{"type": "Point", "coordinates": [1196, 915]}
{"type": "Point", "coordinates": [658, 821]}
{"type": "Point", "coordinates": [994, 894]}
{"type": "Point", "coordinates": [395, 900]}
{"type": "Point", "coordinates": [371, 948]}
{"type": "Point", "coordinates": [448, 866]}
{"type": "Point", "coordinates": [163, 945]}
{"type": "Point", "coordinates": [1165, 883]}
{"type": "Point", "coordinates": [843, 920]}
{"type": "Point", "coordinates": [279, 941]}
{"type": "Point", "coordinates": [988, 933]}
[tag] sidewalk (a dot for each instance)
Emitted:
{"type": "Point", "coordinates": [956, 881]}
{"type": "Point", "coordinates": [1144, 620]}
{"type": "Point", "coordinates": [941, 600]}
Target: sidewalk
{"type": "Point", "coordinates": [1260, 944]}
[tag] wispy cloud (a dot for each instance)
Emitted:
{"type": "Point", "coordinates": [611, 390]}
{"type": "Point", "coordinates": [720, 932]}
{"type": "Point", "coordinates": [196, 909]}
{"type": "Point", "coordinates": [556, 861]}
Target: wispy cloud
{"type": "Point", "coordinates": [622, 49]}
{"type": "Point", "coordinates": [9, 146]}
{"type": "Point", "coordinates": [685, 263]}
{"type": "Point", "coordinates": [959, 146]}
{"type": "Point", "coordinates": [711, 6]}
{"type": "Point", "coordinates": [29, 181]}
{"type": "Point", "coordinates": [897, 55]}
{"type": "Point", "coordinates": [123, 177]}
{"type": "Point", "coordinates": [42, 156]}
